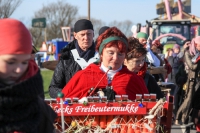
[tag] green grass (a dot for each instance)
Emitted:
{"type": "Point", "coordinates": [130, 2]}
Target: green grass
{"type": "Point", "coordinates": [47, 76]}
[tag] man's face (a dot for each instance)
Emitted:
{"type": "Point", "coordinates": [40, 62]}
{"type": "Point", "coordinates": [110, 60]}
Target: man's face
{"type": "Point", "coordinates": [143, 41]}
{"type": "Point", "coordinates": [84, 38]}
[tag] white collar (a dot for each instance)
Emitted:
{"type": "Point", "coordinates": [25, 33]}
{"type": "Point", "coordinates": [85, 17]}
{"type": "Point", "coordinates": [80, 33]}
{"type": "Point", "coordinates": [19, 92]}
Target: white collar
{"type": "Point", "coordinates": [105, 69]}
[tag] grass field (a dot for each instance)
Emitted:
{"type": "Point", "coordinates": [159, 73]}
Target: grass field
{"type": "Point", "coordinates": [47, 76]}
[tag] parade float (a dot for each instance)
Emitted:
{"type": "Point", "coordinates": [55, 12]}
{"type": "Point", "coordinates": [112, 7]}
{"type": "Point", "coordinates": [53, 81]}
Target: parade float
{"type": "Point", "coordinates": [146, 114]}
{"type": "Point", "coordinates": [174, 25]}
{"type": "Point", "coordinates": [95, 114]}
{"type": "Point", "coordinates": [175, 20]}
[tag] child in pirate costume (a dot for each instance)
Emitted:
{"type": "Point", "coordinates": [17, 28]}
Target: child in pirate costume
{"type": "Point", "coordinates": [22, 106]}
{"type": "Point", "coordinates": [112, 46]}
{"type": "Point", "coordinates": [192, 93]}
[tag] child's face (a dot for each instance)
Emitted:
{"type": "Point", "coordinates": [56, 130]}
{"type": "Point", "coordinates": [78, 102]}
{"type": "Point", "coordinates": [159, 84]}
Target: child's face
{"type": "Point", "coordinates": [176, 50]}
{"type": "Point", "coordinates": [13, 67]}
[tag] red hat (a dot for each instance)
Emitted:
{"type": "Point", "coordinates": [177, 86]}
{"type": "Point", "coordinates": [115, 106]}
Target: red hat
{"type": "Point", "coordinates": [14, 37]}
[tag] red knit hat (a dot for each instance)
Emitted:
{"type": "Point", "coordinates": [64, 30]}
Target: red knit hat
{"type": "Point", "coordinates": [14, 37]}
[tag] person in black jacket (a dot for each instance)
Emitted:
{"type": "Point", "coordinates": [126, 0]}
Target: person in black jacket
{"type": "Point", "coordinates": [22, 105]}
{"type": "Point", "coordinates": [76, 56]}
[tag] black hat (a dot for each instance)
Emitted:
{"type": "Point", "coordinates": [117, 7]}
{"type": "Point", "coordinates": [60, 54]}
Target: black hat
{"type": "Point", "coordinates": [83, 24]}
{"type": "Point", "coordinates": [34, 50]}
{"type": "Point", "coordinates": [104, 28]}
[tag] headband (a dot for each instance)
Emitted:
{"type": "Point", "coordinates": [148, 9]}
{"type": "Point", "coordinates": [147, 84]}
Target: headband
{"type": "Point", "coordinates": [142, 35]}
{"type": "Point", "coordinates": [110, 39]}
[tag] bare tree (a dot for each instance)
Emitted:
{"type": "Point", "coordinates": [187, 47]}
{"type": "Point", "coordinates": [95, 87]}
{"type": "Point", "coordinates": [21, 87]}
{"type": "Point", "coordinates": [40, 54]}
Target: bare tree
{"type": "Point", "coordinates": [37, 35]}
{"type": "Point", "coordinates": [124, 26]}
{"type": "Point", "coordinates": [57, 14]}
{"type": "Point", "coordinates": [97, 25]}
{"type": "Point", "coordinates": [7, 7]}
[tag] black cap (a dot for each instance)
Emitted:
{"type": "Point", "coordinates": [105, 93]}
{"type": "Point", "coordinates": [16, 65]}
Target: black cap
{"type": "Point", "coordinates": [34, 50]}
{"type": "Point", "coordinates": [103, 29]}
{"type": "Point", "coordinates": [83, 24]}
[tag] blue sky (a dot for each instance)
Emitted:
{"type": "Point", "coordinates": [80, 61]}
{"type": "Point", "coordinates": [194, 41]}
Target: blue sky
{"type": "Point", "coordinates": [137, 11]}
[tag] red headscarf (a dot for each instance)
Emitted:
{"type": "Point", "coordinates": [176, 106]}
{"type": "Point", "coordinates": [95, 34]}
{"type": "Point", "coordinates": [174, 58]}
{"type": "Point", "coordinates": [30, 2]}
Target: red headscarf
{"type": "Point", "coordinates": [192, 47]}
{"type": "Point", "coordinates": [14, 37]}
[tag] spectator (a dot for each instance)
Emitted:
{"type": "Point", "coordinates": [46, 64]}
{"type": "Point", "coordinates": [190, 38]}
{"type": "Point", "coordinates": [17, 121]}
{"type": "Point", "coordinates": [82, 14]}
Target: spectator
{"type": "Point", "coordinates": [103, 29]}
{"type": "Point", "coordinates": [174, 61]}
{"type": "Point", "coordinates": [157, 49]}
{"type": "Point", "coordinates": [185, 47]}
{"type": "Point", "coordinates": [76, 56]}
{"type": "Point", "coordinates": [22, 106]}
{"type": "Point", "coordinates": [135, 62]}
{"type": "Point", "coordinates": [192, 93]}
{"type": "Point", "coordinates": [151, 58]}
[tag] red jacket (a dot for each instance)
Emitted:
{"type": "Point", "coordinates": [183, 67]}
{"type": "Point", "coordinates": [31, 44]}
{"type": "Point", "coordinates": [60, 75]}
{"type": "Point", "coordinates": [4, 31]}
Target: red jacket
{"type": "Point", "coordinates": [124, 82]}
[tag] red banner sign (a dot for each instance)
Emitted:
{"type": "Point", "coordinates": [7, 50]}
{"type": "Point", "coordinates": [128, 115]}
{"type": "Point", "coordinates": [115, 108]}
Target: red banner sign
{"type": "Point", "coordinates": [125, 108]}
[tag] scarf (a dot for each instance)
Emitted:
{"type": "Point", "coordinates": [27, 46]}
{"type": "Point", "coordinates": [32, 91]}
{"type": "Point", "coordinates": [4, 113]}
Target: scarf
{"type": "Point", "coordinates": [167, 66]}
{"type": "Point", "coordinates": [19, 107]}
{"type": "Point", "coordinates": [86, 54]}
{"type": "Point", "coordinates": [174, 55]}
{"type": "Point", "coordinates": [32, 70]}
{"type": "Point", "coordinates": [142, 71]}
{"type": "Point", "coordinates": [196, 58]}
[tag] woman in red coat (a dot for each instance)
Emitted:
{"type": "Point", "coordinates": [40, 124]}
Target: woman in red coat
{"type": "Point", "coordinates": [112, 47]}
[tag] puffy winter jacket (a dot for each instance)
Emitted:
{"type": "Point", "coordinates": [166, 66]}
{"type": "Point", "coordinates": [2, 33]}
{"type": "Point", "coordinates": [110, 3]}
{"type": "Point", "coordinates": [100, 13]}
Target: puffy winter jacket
{"type": "Point", "coordinates": [65, 69]}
